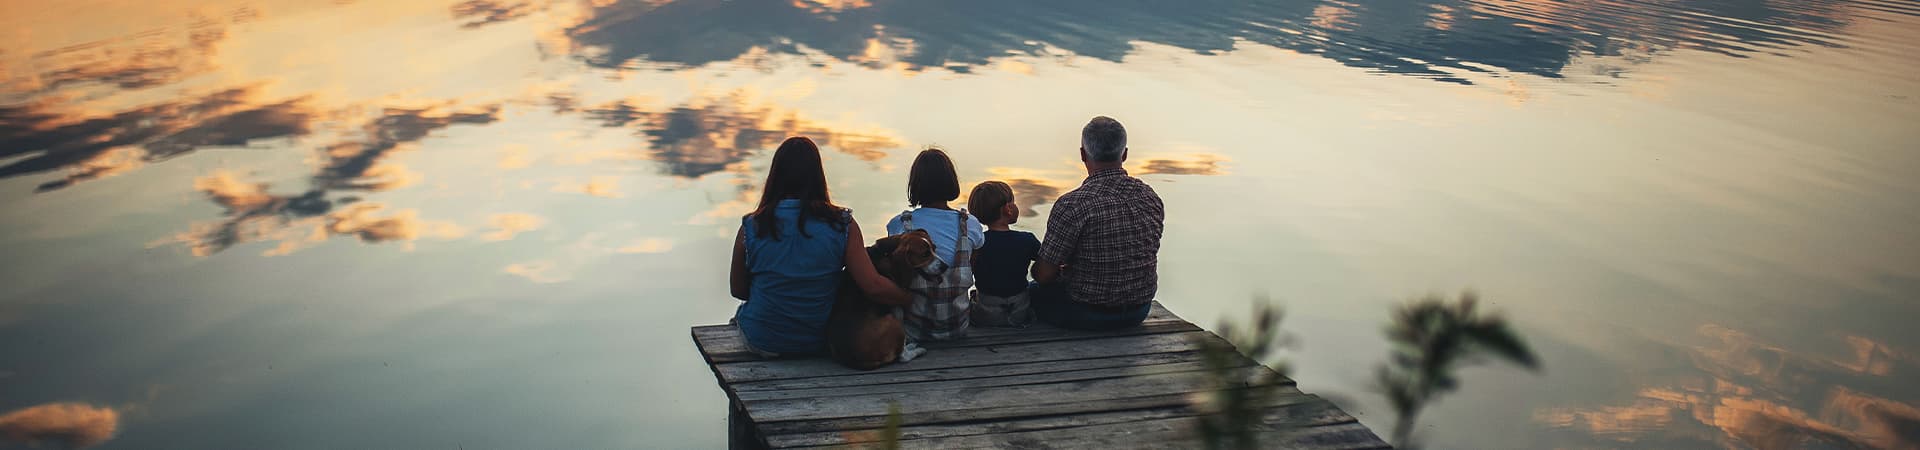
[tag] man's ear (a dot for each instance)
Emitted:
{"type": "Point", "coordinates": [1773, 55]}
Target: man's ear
{"type": "Point", "coordinates": [1083, 154]}
{"type": "Point", "coordinates": [1123, 154]}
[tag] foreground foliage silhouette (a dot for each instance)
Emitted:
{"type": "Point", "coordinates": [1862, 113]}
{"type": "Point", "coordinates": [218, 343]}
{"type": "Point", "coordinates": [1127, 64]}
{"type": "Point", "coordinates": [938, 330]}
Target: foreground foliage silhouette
{"type": "Point", "coordinates": [1232, 413]}
{"type": "Point", "coordinates": [1432, 338]}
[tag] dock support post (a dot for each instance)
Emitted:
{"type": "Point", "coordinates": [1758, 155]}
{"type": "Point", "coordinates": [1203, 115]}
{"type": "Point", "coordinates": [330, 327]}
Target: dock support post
{"type": "Point", "coordinates": [741, 434]}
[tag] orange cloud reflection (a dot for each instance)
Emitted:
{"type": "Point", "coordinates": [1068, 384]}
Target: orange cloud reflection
{"type": "Point", "coordinates": [1033, 188]}
{"type": "Point", "coordinates": [1190, 164]}
{"type": "Point", "coordinates": [1750, 393]}
{"type": "Point", "coordinates": [542, 271]}
{"type": "Point", "coordinates": [830, 6]}
{"type": "Point", "coordinates": [647, 245]}
{"type": "Point", "coordinates": [505, 226]}
{"type": "Point", "coordinates": [72, 425]}
{"type": "Point", "coordinates": [152, 57]}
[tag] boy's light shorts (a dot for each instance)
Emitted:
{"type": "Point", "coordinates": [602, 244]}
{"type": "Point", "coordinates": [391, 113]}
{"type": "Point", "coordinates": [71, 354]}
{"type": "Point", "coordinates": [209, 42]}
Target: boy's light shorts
{"type": "Point", "coordinates": [996, 311]}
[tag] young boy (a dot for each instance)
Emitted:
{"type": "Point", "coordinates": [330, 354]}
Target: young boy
{"type": "Point", "coordinates": [1000, 266]}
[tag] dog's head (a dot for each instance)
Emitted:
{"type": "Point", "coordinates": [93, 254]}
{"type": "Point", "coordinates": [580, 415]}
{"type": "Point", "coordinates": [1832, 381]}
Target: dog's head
{"type": "Point", "coordinates": [899, 256]}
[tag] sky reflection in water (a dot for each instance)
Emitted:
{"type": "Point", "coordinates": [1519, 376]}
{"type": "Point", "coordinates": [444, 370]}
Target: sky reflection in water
{"type": "Point", "coordinates": [1701, 210]}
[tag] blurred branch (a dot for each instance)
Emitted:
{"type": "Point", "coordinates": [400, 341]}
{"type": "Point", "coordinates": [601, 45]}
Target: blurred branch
{"type": "Point", "coordinates": [1232, 411]}
{"type": "Point", "coordinates": [1431, 339]}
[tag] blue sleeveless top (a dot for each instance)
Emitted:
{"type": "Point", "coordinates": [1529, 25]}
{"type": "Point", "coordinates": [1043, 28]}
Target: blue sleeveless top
{"type": "Point", "coordinates": [795, 279]}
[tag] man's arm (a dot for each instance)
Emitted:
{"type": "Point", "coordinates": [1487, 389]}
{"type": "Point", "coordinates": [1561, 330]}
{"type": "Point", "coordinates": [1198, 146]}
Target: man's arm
{"type": "Point", "coordinates": [1045, 272]}
{"type": "Point", "coordinates": [1063, 238]}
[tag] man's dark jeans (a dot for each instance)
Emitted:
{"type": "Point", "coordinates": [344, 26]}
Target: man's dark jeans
{"type": "Point", "coordinates": [1051, 305]}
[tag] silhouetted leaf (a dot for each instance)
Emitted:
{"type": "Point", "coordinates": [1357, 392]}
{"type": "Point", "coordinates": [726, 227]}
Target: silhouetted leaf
{"type": "Point", "coordinates": [1503, 342]}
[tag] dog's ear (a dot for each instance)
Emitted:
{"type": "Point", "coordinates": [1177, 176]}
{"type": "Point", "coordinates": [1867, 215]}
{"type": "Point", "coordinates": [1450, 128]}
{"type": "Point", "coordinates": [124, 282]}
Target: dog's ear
{"type": "Point", "coordinates": [916, 251]}
{"type": "Point", "coordinates": [886, 245]}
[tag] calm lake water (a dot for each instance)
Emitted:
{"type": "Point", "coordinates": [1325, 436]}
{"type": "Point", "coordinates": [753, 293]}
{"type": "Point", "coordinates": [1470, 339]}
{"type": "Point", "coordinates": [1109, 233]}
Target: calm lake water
{"type": "Point", "coordinates": [489, 224]}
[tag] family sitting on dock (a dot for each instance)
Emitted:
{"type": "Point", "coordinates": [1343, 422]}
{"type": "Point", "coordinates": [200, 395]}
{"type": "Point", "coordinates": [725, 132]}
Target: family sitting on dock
{"type": "Point", "coordinates": [800, 263]}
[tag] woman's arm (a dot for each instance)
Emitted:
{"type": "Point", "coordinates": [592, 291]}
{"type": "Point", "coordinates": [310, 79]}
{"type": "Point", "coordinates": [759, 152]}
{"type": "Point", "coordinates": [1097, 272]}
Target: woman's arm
{"type": "Point", "coordinates": [739, 280]}
{"type": "Point", "coordinates": [877, 287]}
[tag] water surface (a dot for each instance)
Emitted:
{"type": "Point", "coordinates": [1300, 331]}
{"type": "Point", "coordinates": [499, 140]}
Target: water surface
{"type": "Point", "coordinates": [489, 224]}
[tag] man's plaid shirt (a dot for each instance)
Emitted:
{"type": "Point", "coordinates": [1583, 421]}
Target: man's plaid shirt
{"type": "Point", "coordinates": [1107, 233]}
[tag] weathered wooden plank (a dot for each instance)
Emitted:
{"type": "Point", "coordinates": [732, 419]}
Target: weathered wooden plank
{"type": "Point", "coordinates": [1047, 334]}
{"type": "Point", "coordinates": [722, 344]}
{"type": "Point", "coordinates": [1040, 408]}
{"type": "Point", "coordinates": [971, 357]}
{"type": "Point", "coordinates": [1162, 433]}
{"type": "Point", "coordinates": [1299, 409]}
{"type": "Point", "coordinates": [718, 350]}
{"type": "Point", "coordinates": [767, 411]}
{"type": "Point", "coordinates": [1153, 433]}
{"type": "Point", "coordinates": [1158, 315]}
{"type": "Point", "coordinates": [1345, 436]}
{"type": "Point", "coordinates": [1160, 311]}
{"type": "Point", "coordinates": [983, 382]}
{"type": "Point", "coordinates": [1009, 369]}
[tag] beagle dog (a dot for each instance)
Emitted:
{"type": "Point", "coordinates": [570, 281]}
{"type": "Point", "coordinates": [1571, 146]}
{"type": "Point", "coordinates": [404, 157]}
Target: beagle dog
{"type": "Point", "coordinates": [864, 334]}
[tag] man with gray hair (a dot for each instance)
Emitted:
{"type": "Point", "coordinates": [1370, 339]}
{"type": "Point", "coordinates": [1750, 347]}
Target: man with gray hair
{"type": "Point", "coordinates": [1098, 266]}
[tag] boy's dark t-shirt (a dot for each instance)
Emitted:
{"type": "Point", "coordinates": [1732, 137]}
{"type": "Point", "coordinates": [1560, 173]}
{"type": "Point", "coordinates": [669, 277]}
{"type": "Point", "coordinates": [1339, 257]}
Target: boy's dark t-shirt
{"type": "Point", "coordinates": [1000, 266]}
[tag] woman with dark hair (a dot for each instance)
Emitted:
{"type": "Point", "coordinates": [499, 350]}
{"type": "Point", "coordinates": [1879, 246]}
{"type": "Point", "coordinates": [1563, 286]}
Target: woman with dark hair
{"type": "Point", "coordinates": [789, 253]}
{"type": "Point", "coordinates": [940, 302]}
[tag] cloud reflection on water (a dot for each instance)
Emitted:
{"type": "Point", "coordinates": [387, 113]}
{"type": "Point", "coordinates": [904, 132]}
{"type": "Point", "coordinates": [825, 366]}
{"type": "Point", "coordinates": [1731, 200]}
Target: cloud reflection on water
{"type": "Point", "coordinates": [297, 221]}
{"type": "Point", "coordinates": [354, 165]}
{"type": "Point", "coordinates": [1746, 391]}
{"type": "Point", "coordinates": [1034, 187]}
{"type": "Point", "coordinates": [144, 59]}
{"type": "Point", "coordinates": [706, 135]}
{"type": "Point", "coordinates": [1436, 39]}
{"type": "Point", "coordinates": [1208, 164]}
{"type": "Point", "coordinates": [52, 137]}
{"type": "Point", "coordinates": [71, 425]}
{"type": "Point", "coordinates": [725, 134]}
{"type": "Point", "coordinates": [690, 140]}
{"type": "Point", "coordinates": [480, 13]}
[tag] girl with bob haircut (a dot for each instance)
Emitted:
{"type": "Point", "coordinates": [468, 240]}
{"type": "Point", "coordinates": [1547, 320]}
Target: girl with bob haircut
{"type": "Point", "coordinates": [939, 310]}
{"type": "Point", "coordinates": [789, 253]}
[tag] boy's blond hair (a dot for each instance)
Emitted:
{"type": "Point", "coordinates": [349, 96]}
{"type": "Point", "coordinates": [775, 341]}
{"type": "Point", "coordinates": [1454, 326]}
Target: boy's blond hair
{"type": "Point", "coordinates": [988, 199]}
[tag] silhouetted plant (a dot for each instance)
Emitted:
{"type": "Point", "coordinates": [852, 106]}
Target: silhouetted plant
{"type": "Point", "coordinates": [1431, 338]}
{"type": "Point", "coordinates": [1232, 411]}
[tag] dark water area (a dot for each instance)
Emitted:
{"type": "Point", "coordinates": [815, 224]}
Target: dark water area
{"type": "Point", "coordinates": [489, 224]}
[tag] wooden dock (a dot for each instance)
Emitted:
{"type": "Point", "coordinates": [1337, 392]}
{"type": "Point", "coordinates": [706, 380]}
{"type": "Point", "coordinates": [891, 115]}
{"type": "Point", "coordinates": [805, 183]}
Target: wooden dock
{"type": "Point", "coordinates": [1037, 387]}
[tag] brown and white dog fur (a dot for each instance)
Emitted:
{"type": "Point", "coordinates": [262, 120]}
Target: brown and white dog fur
{"type": "Point", "coordinates": [862, 333]}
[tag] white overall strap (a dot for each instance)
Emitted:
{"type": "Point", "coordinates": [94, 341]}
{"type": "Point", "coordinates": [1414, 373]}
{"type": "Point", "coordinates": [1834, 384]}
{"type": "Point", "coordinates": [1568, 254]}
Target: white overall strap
{"type": "Point", "coordinates": [906, 221]}
{"type": "Point", "coordinates": [962, 241]}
